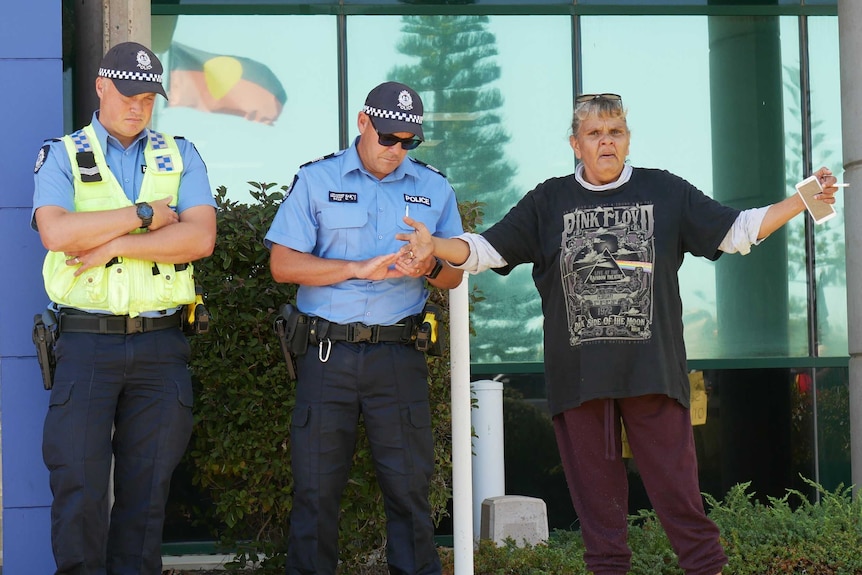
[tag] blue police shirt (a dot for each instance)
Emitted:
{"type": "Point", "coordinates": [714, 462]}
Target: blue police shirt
{"type": "Point", "coordinates": [54, 184]}
{"type": "Point", "coordinates": [336, 209]}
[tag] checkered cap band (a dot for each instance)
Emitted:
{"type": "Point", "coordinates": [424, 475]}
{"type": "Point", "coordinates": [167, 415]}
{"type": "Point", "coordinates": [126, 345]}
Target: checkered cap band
{"type": "Point", "coordinates": [123, 75]}
{"type": "Point", "coordinates": [393, 115]}
{"type": "Point", "coordinates": [157, 140]}
{"type": "Point", "coordinates": [82, 142]}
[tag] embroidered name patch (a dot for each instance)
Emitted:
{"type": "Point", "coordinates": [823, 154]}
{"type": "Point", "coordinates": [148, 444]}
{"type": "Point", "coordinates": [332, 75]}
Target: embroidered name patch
{"type": "Point", "coordinates": [348, 197]}
{"type": "Point", "coordinates": [417, 200]}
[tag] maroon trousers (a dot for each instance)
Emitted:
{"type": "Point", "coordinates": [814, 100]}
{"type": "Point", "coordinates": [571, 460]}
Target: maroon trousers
{"type": "Point", "coordinates": [659, 433]}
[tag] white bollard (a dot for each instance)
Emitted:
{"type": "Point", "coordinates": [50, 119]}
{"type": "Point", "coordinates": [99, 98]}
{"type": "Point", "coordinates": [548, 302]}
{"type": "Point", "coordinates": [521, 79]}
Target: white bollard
{"type": "Point", "coordinates": [489, 472]}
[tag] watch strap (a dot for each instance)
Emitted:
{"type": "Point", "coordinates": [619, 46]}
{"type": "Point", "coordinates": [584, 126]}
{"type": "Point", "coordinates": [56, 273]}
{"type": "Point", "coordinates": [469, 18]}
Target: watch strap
{"type": "Point", "coordinates": [435, 271]}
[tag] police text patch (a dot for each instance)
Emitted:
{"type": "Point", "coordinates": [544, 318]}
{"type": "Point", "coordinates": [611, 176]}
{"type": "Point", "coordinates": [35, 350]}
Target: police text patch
{"type": "Point", "coordinates": [348, 197]}
{"type": "Point", "coordinates": [417, 200]}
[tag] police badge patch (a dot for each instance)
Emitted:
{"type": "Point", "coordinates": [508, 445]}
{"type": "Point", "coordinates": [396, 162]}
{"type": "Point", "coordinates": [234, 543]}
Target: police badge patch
{"type": "Point", "coordinates": [40, 159]}
{"type": "Point", "coordinates": [144, 62]}
{"type": "Point", "coordinates": [405, 100]}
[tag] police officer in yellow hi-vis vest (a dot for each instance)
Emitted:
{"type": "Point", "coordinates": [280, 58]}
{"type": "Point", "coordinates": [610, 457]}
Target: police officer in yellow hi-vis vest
{"type": "Point", "coordinates": [123, 211]}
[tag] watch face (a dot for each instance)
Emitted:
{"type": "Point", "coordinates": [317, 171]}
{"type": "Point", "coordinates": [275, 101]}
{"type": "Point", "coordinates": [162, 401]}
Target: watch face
{"type": "Point", "coordinates": [145, 211]}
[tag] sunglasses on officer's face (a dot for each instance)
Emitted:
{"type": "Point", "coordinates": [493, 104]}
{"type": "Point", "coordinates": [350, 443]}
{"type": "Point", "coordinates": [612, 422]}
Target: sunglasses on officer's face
{"type": "Point", "coordinates": [584, 98]}
{"type": "Point", "coordinates": [389, 140]}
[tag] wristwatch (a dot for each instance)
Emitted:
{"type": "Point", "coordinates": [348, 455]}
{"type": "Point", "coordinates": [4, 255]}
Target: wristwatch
{"type": "Point", "coordinates": [145, 212]}
{"type": "Point", "coordinates": [435, 271]}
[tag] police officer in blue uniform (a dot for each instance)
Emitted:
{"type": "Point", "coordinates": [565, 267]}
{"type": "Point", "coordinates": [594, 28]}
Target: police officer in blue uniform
{"type": "Point", "coordinates": [123, 211]}
{"type": "Point", "coordinates": [334, 235]}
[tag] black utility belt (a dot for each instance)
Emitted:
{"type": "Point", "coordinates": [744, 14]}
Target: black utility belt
{"type": "Point", "coordinates": [357, 332]}
{"type": "Point", "coordinates": [83, 322]}
{"type": "Point", "coordinates": [297, 330]}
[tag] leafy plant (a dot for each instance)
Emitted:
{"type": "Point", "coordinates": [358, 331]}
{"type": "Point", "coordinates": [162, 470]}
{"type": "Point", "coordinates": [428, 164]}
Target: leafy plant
{"type": "Point", "coordinates": [789, 536]}
{"type": "Point", "coordinates": [243, 397]}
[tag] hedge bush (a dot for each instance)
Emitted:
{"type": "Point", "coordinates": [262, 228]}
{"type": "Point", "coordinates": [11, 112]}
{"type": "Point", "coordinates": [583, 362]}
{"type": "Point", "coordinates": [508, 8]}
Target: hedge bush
{"type": "Point", "coordinates": [790, 535]}
{"type": "Point", "coordinates": [244, 400]}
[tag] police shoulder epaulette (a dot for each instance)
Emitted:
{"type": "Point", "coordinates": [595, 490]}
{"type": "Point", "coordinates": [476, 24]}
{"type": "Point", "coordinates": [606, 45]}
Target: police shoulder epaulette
{"type": "Point", "coordinates": [179, 137]}
{"type": "Point", "coordinates": [321, 158]}
{"type": "Point", "coordinates": [429, 166]}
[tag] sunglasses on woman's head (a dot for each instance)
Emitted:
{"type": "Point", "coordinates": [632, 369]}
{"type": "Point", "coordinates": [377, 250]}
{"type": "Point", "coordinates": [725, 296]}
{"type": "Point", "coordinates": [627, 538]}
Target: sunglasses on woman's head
{"type": "Point", "coordinates": [584, 98]}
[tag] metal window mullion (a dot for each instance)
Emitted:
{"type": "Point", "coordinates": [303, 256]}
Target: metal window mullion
{"type": "Point", "coordinates": [343, 108]}
{"type": "Point", "coordinates": [577, 62]}
{"type": "Point", "coordinates": [810, 248]}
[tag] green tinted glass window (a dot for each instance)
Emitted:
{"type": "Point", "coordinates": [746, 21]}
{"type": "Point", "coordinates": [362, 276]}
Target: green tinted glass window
{"type": "Point", "coordinates": [249, 92]}
{"type": "Point", "coordinates": [830, 273]}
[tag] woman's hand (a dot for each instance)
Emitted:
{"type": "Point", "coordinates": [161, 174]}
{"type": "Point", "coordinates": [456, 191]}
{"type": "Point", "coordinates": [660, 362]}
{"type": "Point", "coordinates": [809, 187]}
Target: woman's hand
{"type": "Point", "coordinates": [420, 243]}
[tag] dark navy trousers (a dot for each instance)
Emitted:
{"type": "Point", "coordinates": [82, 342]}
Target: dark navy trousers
{"type": "Point", "coordinates": [126, 396]}
{"type": "Point", "coordinates": [387, 384]}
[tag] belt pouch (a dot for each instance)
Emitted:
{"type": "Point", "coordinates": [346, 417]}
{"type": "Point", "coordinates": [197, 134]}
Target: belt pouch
{"type": "Point", "coordinates": [296, 326]}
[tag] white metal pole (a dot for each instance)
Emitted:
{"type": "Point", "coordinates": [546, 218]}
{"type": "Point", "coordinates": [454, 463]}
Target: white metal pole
{"type": "Point", "coordinates": [462, 482]}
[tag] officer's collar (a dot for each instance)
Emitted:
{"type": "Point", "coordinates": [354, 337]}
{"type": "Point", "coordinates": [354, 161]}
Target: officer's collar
{"type": "Point", "coordinates": [352, 162]}
{"type": "Point", "coordinates": [106, 139]}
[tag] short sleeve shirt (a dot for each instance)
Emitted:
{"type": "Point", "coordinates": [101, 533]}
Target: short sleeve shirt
{"type": "Point", "coordinates": [54, 181]}
{"type": "Point", "coordinates": [606, 265]}
{"type": "Point", "coordinates": [336, 209]}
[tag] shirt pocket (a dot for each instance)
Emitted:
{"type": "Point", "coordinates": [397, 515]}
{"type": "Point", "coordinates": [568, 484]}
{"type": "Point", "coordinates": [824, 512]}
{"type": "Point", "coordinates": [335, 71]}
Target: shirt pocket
{"type": "Point", "coordinates": [428, 215]}
{"type": "Point", "coordinates": [341, 232]}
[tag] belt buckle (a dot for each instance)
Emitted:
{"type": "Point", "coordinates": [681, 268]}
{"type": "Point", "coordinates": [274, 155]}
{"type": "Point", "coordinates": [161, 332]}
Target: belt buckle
{"type": "Point", "coordinates": [134, 324]}
{"type": "Point", "coordinates": [359, 332]}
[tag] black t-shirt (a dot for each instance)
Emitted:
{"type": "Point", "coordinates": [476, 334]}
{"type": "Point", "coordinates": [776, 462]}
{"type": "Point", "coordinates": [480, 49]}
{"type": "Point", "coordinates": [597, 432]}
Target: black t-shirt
{"type": "Point", "coordinates": [605, 265]}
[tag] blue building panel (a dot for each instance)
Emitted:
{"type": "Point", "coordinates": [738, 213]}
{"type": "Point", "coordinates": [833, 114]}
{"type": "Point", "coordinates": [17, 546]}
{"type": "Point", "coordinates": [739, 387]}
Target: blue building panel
{"type": "Point", "coordinates": [30, 60]}
{"type": "Point", "coordinates": [31, 29]}
{"type": "Point", "coordinates": [25, 478]}
{"type": "Point", "coordinates": [27, 541]}
{"type": "Point", "coordinates": [32, 115]}
{"type": "Point", "coordinates": [25, 296]}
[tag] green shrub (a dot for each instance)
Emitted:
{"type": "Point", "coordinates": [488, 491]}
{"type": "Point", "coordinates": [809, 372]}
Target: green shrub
{"type": "Point", "coordinates": [240, 451]}
{"type": "Point", "coordinates": [789, 536]}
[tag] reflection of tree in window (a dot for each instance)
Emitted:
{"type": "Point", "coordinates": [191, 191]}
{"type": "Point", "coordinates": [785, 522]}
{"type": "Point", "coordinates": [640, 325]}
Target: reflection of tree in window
{"type": "Point", "coordinates": [454, 72]}
{"type": "Point", "coordinates": [830, 238]}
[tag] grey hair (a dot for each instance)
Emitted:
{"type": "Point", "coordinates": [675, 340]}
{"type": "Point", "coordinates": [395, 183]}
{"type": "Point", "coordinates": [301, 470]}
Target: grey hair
{"type": "Point", "coordinates": [599, 107]}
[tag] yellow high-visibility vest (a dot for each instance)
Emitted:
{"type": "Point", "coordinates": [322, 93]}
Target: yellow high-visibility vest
{"type": "Point", "coordinates": [124, 286]}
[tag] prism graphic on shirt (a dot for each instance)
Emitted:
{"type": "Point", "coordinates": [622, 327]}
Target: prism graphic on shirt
{"type": "Point", "coordinates": [606, 265]}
